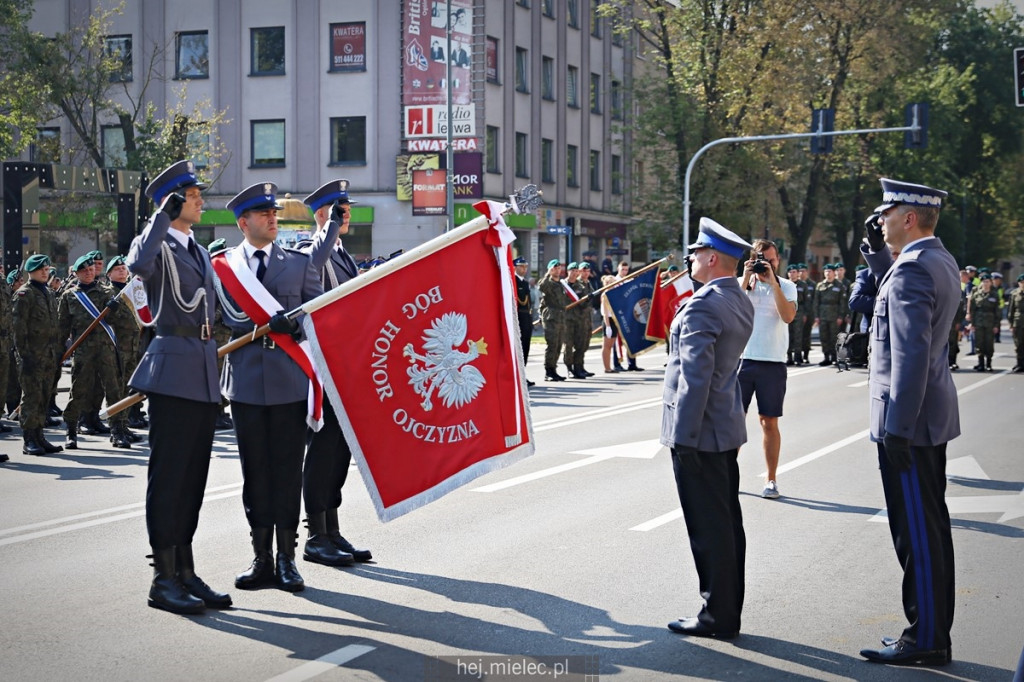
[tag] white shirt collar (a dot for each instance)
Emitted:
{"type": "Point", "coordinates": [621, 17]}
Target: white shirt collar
{"type": "Point", "coordinates": [182, 238]}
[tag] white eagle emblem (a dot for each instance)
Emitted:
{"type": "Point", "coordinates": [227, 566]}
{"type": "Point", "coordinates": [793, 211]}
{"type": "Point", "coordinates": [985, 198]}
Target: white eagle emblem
{"type": "Point", "coordinates": [445, 368]}
{"type": "Point", "coordinates": [268, 188]}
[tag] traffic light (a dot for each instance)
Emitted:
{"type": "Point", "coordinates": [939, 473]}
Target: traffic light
{"type": "Point", "coordinates": [1018, 75]}
{"type": "Point", "coordinates": [917, 113]}
{"type": "Point", "coordinates": [822, 121]}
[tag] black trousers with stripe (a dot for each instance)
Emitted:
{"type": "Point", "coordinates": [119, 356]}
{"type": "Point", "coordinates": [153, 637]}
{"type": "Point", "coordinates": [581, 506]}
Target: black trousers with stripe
{"type": "Point", "coordinates": [921, 535]}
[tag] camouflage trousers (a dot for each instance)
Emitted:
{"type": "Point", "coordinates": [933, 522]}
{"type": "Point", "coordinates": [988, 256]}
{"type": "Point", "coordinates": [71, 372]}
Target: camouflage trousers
{"type": "Point", "coordinates": [554, 335]}
{"type": "Point", "coordinates": [94, 369]}
{"type": "Point", "coordinates": [796, 334]}
{"type": "Point", "coordinates": [36, 377]}
{"type": "Point", "coordinates": [577, 340]}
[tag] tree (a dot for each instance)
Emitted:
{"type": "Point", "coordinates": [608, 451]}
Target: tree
{"type": "Point", "coordinates": [22, 98]}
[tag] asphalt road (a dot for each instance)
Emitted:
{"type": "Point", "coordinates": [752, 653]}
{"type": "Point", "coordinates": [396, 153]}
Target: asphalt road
{"type": "Point", "coordinates": [578, 553]}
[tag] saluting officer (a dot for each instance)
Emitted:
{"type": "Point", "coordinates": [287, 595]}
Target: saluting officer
{"type": "Point", "coordinates": [34, 320]}
{"type": "Point", "coordinates": [267, 388]}
{"type": "Point", "coordinates": [96, 356]}
{"type": "Point", "coordinates": [328, 456]}
{"type": "Point", "coordinates": [178, 373]}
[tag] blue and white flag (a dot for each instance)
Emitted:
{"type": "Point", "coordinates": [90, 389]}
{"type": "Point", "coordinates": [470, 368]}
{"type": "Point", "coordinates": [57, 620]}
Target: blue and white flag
{"type": "Point", "coordinates": [631, 306]}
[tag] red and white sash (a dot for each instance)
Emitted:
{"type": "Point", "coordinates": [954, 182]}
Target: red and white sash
{"type": "Point", "coordinates": [260, 305]}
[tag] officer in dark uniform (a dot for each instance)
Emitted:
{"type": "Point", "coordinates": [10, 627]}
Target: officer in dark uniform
{"type": "Point", "coordinates": [524, 308]}
{"type": "Point", "coordinates": [178, 372]}
{"type": "Point", "coordinates": [268, 389]}
{"type": "Point", "coordinates": [34, 320]}
{"type": "Point", "coordinates": [327, 454]}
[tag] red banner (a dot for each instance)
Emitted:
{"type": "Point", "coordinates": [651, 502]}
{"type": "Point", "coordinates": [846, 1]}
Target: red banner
{"type": "Point", "coordinates": [664, 304]}
{"type": "Point", "coordinates": [424, 368]}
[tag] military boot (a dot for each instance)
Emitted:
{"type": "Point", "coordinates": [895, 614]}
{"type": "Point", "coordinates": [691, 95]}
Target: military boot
{"type": "Point", "coordinates": [194, 584]}
{"type": "Point", "coordinates": [319, 549]}
{"type": "Point", "coordinates": [261, 572]}
{"type": "Point", "coordinates": [49, 447]}
{"type": "Point", "coordinates": [333, 532]}
{"type": "Point", "coordinates": [135, 418]}
{"type": "Point", "coordinates": [552, 375]}
{"type": "Point", "coordinates": [31, 446]}
{"type": "Point", "coordinates": [119, 437]}
{"type": "Point", "coordinates": [72, 430]}
{"type": "Point", "coordinates": [167, 592]}
{"type": "Point", "coordinates": [91, 424]}
{"type": "Point", "coordinates": [287, 573]}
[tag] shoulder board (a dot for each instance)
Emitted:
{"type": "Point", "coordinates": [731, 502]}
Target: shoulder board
{"type": "Point", "coordinates": [293, 249]}
{"type": "Point", "coordinates": [912, 255]}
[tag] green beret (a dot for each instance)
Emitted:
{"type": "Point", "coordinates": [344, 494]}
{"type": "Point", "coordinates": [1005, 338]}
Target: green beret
{"type": "Point", "coordinates": [984, 270]}
{"type": "Point", "coordinates": [574, 266]}
{"type": "Point", "coordinates": [586, 266]}
{"type": "Point", "coordinates": [33, 263]}
{"type": "Point", "coordinates": [672, 268]}
{"type": "Point", "coordinates": [95, 255]}
{"type": "Point", "coordinates": [801, 266]}
{"type": "Point", "coordinates": [828, 266]}
{"type": "Point", "coordinates": [985, 275]}
{"type": "Point", "coordinates": [114, 262]}
{"type": "Point", "coordinates": [792, 268]}
{"type": "Point", "coordinates": [553, 262]}
{"type": "Point", "coordinates": [861, 267]}
{"type": "Point", "coordinates": [85, 261]}
{"type": "Point", "coordinates": [1020, 278]}
{"type": "Point", "coordinates": [217, 245]}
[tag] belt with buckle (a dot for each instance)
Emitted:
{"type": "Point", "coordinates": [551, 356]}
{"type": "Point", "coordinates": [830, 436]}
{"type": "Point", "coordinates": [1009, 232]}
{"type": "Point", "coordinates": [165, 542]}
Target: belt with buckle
{"type": "Point", "coordinates": [199, 332]}
{"type": "Point", "coordinates": [265, 341]}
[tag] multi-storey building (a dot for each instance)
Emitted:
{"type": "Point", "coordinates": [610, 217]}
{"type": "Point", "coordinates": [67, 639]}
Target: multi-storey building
{"type": "Point", "coordinates": [320, 89]}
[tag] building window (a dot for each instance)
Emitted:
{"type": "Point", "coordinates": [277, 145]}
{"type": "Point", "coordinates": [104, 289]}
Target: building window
{"type": "Point", "coordinates": [267, 143]}
{"type": "Point", "coordinates": [46, 148]}
{"type": "Point", "coordinates": [118, 49]}
{"type": "Point", "coordinates": [595, 170]}
{"type": "Point", "coordinates": [572, 87]}
{"type": "Point", "coordinates": [617, 100]}
{"type": "Point", "coordinates": [549, 8]}
{"type": "Point", "coordinates": [595, 93]}
{"type": "Point", "coordinates": [491, 60]}
{"type": "Point", "coordinates": [522, 168]}
{"type": "Point", "coordinates": [547, 160]}
{"type": "Point", "coordinates": [198, 145]}
{"type": "Point", "coordinates": [571, 164]}
{"type": "Point", "coordinates": [114, 155]}
{"type": "Point", "coordinates": [348, 47]}
{"type": "Point", "coordinates": [547, 78]}
{"type": "Point", "coordinates": [491, 150]}
{"type": "Point", "coordinates": [192, 54]}
{"type": "Point", "coordinates": [595, 19]}
{"type": "Point", "coordinates": [267, 50]}
{"type": "Point", "coordinates": [348, 140]}
{"type": "Point", "coordinates": [573, 7]}
{"type": "Point", "coordinates": [616, 174]}
{"type": "Point", "coordinates": [522, 69]}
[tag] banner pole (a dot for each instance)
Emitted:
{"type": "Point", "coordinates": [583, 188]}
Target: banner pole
{"type": "Point", "coordinates": [628, 277]}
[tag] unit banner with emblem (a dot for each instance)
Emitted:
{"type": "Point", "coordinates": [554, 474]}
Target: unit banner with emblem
{"type": "Point", "coordinates": [665, 301]}
{"type": "Point", "coordinates": [420, 358]}
{"type": "Point", "coordinates": [631, 305]}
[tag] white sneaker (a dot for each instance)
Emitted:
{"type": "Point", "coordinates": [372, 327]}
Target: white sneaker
{"type": "Point", "coordinates": [771, 491]}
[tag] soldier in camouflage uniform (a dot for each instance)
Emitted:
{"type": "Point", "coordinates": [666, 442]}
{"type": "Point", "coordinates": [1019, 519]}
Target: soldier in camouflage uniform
{"type": "Point", "coordinates": [828, 311]}
{"type": "Point", "coordinates": [796, 328]}
{"type": "Point", "coordinates": [954, 332]}
{"type": "Point", "coordinates": [6, 342]}
{"type": "Point", "coordinates": [13, 388]}
{"type": "Point", "coordinates": [587, 315]}
{"type": "Point", "coordinates": [576, 326]}
{"type": "Point", "coordinates": [1015, 316]}
{"type": "Point", "coordinates": [553, 299]}
{"type": "Point", "coordinates": [810, 289]}
{"type": "Point", "coordinates": [844, 310]}
{"type": "Point", "coordinates": [126, 328]}
{"type": "Point", "coordinates": [89, 422]}
{"type": "Point", "coordinates": [96, 353]}
{"type": "Point", "coordinates": [983, 314]}
{"type": "Point", "coordinates": [34, 320]}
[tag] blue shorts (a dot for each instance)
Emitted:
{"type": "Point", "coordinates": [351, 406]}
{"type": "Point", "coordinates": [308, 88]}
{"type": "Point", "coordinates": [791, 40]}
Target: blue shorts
{"type": "Point", "coordinates": [766, 380]}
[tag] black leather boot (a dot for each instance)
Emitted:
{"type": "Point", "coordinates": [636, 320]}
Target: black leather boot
{"type": "Point", "coordinates": [31, 446]}
{"type": "Point", "coordinates": [72, 430]}
{"type": "Point", "coordinates": [135, 418]}
{"type": "Point", "coordinates": [261, 572]}
{"type": "Point", "coordinates": [167, 592]}
{"type": "Point", "coordinates": [287, 574]}
{"type": "Point", "coordinates": [49, 447]}
{"type": "Point", "coordinates": [119, 437]}
{"type": "Point", "coordinates": [552, 375]}
{"type": "Point", "coordinates": [92, 424]}
{"type": "Point", "coordinates": [319, 549]}
{"type": "Point", "coordinates": [194, 584]}
{"type": "Point", "coordinates": [331, 516]}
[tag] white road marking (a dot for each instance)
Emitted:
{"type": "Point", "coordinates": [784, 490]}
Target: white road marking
{"type": "Point", "coordinates": [858, 384]}
{"type": "Point", "coordinates": [321, 665]}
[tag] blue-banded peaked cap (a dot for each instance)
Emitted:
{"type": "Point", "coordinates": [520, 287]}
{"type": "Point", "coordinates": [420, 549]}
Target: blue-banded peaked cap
{"type": "Point", "coordinates": [720, 238]}
{"type": "Point", "coordinates": [260, 196]}
{"type": "Point", "coordinates": [335, 190]}
{"type": "Point", "coordinates": [897, 192]}
{"type": "Point", "coordinates": [176, 176]}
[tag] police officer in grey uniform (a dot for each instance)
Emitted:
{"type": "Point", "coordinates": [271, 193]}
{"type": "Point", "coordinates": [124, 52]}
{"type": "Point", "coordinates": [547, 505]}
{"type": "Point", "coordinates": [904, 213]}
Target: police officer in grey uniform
{"type": "Point", "coordinates": [327, 454]}
{"type": "Point", "coordinates": [178, 373]}
{"type": "Point", "coordinates": [704, 425]}
{"type": "Point", "coordinates": [268, 390]}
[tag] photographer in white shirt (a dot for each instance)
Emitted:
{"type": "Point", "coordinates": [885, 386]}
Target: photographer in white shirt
{"type": "Point", "coordinates": [763, 367]}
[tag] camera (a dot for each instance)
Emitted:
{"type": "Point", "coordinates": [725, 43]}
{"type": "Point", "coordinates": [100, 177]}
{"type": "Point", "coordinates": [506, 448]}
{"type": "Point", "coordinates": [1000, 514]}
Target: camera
{"type": "Point", "coordinates": [760, 266]}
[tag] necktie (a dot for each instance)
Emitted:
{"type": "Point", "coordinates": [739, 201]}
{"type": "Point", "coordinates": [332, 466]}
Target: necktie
{"type": "Point", "coordinates": [261, 269]}
{"type": "Point", "coordinates": [194, 252]}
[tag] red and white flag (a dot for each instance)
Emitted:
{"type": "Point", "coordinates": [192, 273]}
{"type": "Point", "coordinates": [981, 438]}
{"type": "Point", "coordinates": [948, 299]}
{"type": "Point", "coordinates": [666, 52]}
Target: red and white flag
{"type": "Point", "coordinates": [423, 366]}
{"type": "Point", "coordinates": [135, 293]}
{"type": "Point", "coordinates": [664, 304]}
